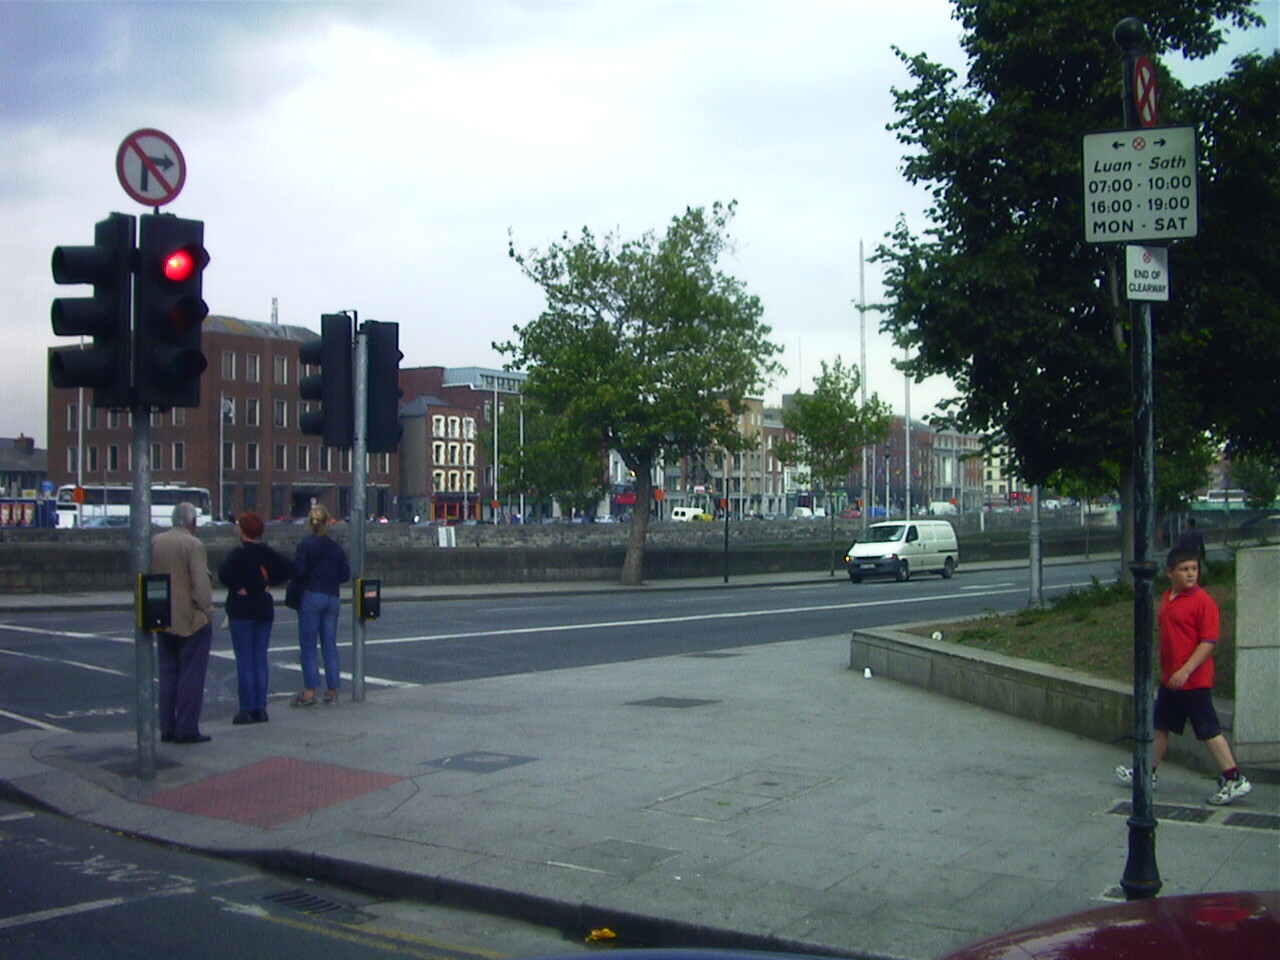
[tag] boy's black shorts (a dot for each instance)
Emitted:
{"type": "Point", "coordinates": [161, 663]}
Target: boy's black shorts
{"type": "Point", "coordinates": [1175, 707]}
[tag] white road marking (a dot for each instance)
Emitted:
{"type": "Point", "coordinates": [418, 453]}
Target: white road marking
{"type": "Point", "coordinates": [31, 721]}
{"type": "Point", "coordinates": [69, 663]}
{"type": "Point", "coordinates": [694, 618]}
{"type": "Point", "coordinates": [40, 916]}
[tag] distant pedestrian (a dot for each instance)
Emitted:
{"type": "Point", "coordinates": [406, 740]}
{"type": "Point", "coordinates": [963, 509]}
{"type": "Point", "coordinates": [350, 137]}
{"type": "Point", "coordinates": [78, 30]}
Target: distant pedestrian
{"type": "Point", "coordinates": [248, 572]}
{"type": "Point", "coordinates": [183, 649]}
{"type": "Point", "coordinates": [1188, 636]}
{"type": "Point", "coordinates": [322, 568]}
{"type": "Point", "coordinates": [1192, 540]}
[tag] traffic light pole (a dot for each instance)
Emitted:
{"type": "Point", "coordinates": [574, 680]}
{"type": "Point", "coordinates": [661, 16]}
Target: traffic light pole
{"type": "Point", "coordinates": [144, 641]}
{"type": "Point", "coordinates": [359, 498]}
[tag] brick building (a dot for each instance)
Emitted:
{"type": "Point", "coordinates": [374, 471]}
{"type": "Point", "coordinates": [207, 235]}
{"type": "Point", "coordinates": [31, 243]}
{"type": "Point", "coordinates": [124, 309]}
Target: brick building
{"type": "Point", "coordinates": [242, 443]}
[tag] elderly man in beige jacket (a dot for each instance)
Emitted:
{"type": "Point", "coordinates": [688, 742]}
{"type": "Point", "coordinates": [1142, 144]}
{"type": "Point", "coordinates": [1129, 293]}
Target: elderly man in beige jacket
{"type": "Point", "coordinates": [183, 649]}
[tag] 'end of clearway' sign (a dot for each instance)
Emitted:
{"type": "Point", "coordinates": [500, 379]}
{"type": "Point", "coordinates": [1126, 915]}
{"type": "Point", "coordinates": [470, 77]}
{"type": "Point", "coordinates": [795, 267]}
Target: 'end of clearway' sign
{"type": "Point", "coordinates": [1146, 272]}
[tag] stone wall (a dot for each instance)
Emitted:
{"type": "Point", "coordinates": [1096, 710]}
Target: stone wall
{"type": "Point", "coordinates": [71, 561]}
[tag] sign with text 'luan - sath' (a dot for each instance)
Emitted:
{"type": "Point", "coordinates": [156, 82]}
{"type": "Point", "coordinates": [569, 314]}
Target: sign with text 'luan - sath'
{"type": "Point", "coordinates": [1141, 186]}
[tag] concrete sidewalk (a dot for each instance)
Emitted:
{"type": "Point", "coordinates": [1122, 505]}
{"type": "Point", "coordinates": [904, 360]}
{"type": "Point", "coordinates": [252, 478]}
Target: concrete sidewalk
{"type": "Point", "coordinates": [759, 797]}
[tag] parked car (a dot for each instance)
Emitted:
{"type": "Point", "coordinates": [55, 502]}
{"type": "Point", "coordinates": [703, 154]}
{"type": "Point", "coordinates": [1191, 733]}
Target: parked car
{"type": "Point", "coordinates": [899, 548]}
{"type": "Point", "coordinates": [1202, 926]}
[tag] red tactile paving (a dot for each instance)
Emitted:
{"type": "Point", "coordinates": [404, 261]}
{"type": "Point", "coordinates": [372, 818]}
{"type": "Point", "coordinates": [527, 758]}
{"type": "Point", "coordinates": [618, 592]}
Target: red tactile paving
{"type": "Point", "coordinates": [271, 792]}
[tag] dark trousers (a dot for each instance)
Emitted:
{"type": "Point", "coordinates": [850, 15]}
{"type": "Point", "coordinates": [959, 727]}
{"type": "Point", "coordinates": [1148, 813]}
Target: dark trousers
{"type": "Point", "coordinates": [183, 662]}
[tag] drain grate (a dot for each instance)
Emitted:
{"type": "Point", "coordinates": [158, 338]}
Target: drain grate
{"type": "Point", "coordinates": [712, 656]}
{"type": "Point", "coordinates": [676, 703]}
{"type": "Point", "coordinates": [299, 901]}
{"type": "Point", "coordinates": [1258, 821]}
{"type": "Point", "coordinates": [1167, 811]}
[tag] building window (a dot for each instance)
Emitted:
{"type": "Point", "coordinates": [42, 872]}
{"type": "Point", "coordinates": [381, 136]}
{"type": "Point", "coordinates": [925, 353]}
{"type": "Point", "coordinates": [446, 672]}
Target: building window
{"type": "Point", "coordinates": [228, 455]}
{"type": "Point", "coordinates": [113, 419]}
{"type": "Point", "coordinates": [72, 420]}
{"type": "Point", "coordinates": [453, 481]}
{"type": "Point", "coordinates": [325, 458]}
{"type": "Point", "coordinates": [253, 412]}
{"type": "Point", "coordinates": [251, 456]}
{"type": "Point", "coordinates": [281, 373]}
{"type": "Point", "coordinates": [304, 458]}
{"type": "Point", "coordinates": [91, 459]}
{"type": "Point", "coordinates": [282, 413]}
{"type": "Point", "coordinates": [468, 428]}
{"type": "Point", "coordinates": [437, 451]}
{"type": "Point", "coordinates": [228, 409]}
{"type": "Point", "coordinates": [228, 365]}
{"type": "Point", "coordinates": [113, 457]}
{"type": "Point", "coordinates": [253, 368]}
{"type": "Point", "coordinates": [437, 479]}
{"type": "Point", "coordinates": [71, 460]}
{"type": "Point", "coordinates": [469, 478]}
{"type": "Point", "coordinates": [454, 423]}
{"type": "Point", "coordinates": [437, 426]}
{"type": "Point", "coordinates": [179, 455]}
{"type": "Point", "coordinates": [178, 416]}
{"type": "Point", "coordinates": [157, 418]}
{"type": "Point", "coordinates": [384, 463]}
{"type": "Point", "coordinates": [92, 417]}
{"type": "Point", "coordinates": [282, 457]}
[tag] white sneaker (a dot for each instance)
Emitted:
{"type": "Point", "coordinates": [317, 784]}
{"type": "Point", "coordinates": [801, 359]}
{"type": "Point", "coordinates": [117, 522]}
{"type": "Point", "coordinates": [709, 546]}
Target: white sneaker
{"type": "Point", "coordinates": [1229, 790]}
{"type": "Point", "coordinates": [1125, 776]}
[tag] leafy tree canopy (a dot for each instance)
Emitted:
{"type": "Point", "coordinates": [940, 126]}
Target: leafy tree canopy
{"type": "Point", "coordinates": [831, 427]}
{"type": "Point", "coordinates": [1001, 293]}
{"type": "Point", "coordinates": [645, 346]}
{"type": "Point", "coordinates": [538, 460]}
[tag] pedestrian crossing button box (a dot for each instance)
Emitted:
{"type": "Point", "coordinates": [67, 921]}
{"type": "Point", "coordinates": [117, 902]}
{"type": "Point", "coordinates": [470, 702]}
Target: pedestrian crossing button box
{"type": "Point", "coordinates": [153, 601]}
{"type": "Point", "coordinates": [368, 599]}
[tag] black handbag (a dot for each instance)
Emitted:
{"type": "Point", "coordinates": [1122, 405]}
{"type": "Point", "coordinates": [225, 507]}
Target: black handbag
{"type": "Point", "coordinates": [293, 594]}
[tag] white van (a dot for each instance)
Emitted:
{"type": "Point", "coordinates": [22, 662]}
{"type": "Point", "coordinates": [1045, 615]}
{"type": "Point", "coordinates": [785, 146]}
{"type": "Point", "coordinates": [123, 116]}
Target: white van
{"type": "Point", "coordinates": [900, 548]}
{"type": "Point", "coordinates": [685, 514]}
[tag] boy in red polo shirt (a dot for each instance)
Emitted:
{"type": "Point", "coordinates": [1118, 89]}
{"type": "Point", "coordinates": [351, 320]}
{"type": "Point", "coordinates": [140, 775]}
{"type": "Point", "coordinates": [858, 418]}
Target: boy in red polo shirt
{"type": "Point", "coordinates": [1188, 636]}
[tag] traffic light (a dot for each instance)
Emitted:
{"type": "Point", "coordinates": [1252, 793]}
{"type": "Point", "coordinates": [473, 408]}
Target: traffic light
{"type": "Point", "coordinates": [108, 265]}
{"type": "Point", "coordinates": [169, 311]}
{"type": "Point", "coordinates": [383, 410]}
{"type": "Point", "coordinates": [332, 386]}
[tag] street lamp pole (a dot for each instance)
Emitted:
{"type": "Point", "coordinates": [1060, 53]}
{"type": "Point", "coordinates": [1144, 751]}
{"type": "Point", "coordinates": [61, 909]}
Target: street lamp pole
{"type": "Point", "coordinates": [1141, 878]}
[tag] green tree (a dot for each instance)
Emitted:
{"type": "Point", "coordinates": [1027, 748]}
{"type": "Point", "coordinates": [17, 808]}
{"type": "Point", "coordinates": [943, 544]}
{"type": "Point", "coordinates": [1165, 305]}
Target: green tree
{"type": "Point", "coordinates": [831, 428]}
{"type": "Point", "coordinates": [539, 460]}
{"type": "Point", "coordinates": [645, 347]}
{"type": "Point", "coordinates": [1258, 478]}
{"type": "Point", "coordinates": [1000, 292]}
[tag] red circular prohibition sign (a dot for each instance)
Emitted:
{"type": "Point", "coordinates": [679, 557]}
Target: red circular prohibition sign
{"type": "Point", "coordinates": [150, 167]}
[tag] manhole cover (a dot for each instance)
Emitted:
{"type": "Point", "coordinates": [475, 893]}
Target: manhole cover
{"type": "Point", "coordinates": [479, 761]}
{"type": "Point", "coordinates": [1167, 811]}
{"type": "Point", "coordinates": [1258, 821]}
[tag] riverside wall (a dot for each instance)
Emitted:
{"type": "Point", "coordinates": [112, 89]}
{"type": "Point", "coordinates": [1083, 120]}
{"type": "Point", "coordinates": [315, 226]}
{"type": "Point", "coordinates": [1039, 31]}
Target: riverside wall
{"type": "Point", "coordinates": [67, 561]}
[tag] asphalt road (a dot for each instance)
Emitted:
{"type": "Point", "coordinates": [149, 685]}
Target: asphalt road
{"type": "Point", "coordinates": [71, 890]}
{"type": "Point", "coordinates": [73, 670]}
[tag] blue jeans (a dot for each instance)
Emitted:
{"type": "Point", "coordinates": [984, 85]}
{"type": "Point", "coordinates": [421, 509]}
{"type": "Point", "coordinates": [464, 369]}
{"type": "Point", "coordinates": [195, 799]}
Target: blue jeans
{"type": "Point", "coordinates": [318, 618]}
{"type": "Point", "coordinates": [249, 640]}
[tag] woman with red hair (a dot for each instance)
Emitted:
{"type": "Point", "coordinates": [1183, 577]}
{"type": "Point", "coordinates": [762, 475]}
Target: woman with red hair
{"type": "Point", "coordinates": [248, 572]}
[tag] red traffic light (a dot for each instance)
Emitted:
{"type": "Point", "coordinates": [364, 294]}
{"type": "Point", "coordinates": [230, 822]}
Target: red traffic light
{"type": "Point", "coordinates": [179, 266]}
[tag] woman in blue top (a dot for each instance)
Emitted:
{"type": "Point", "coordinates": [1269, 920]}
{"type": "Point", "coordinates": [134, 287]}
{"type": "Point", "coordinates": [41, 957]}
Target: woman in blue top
{"type": "Point", "coordinates": [322, 567]}
{"type": "Point", "coordinates": [248, 572]}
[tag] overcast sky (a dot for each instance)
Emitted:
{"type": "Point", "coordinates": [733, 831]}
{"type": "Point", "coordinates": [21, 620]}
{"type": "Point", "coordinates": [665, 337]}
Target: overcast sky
{"type": "Point", "coordinates": [374, 156]}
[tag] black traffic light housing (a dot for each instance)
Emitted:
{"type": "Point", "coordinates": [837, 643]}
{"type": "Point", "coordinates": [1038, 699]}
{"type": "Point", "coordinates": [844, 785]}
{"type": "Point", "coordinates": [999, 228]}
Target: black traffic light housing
{"type": "Point", "coordinates": [169, 311]}
{"type": "Point", "coordinates": [383, 428]}
{"type": "Point", "coordinates": [332, 386]}
{"type": "Point", "coordinates": [108, 265]}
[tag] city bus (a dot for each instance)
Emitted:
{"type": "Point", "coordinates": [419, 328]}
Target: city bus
{"type": "Point", "coordinates": [107, 505]}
